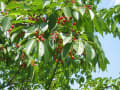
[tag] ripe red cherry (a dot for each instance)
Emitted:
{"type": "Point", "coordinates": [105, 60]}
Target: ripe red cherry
{"type": "Point", "coordinates": [51, 37]}
{"type": "Point", "coordinates": [74, 23]}
{"type": "Point", "coordinates": [42, 39]}
{"type": "Point", "coordinates": [56, 37]}
{"type": "Point", "coordinates": [70, 18]}
{"type": "Point", "coordinates": [89, 5]}
{"type": "Point", "coordinates": [9, 30]}
{"type": "Point", "coordinates": [64, 20]}
{"type": "Point", "coordinates": [22, 58]}
{"type": "Point", "coordinates": [70, 53]}
{"type": "Point", "coordinates": [67, 20]}
{"type": "Point", "coordinates": [58, 22]}
{"type": "Point", "coordinates": [39, 37]}
{"type": "Point", "coordinates": [57, 33]}
{"type": "Point", "coordinates": [74, 38]}
{"type": "Point", "coordinates": [35, 33]}
{"type": "Point", "coordinates": [61, 17]}
{"type": "Point", "coordinates": [63, 23]}
{"type": "Point", "coordinates": [51, 33]}
{"type": "Point", "coordinates": [73, 57]}
{"type": "Point", "coordinates": [1, 47]}
{"type": "Point", "coordinates": [18, 45]}
{"type": "Point", "coordinates": [21, 65]}
{"type": "Point", "coordinates": [37, 40]}
{"type": "Point", "coordinates": [58, 19]}
{"type": "Point", "coordinates": [23, 54]}
{"type": "Point", "coordinates": [55, 55]}
{"type": "Point", "coordinates": [42, 34]}
{"type": "Point", "coordinates": [73, 30]}
{"type": "Point", "coordinates": [73, 1]}
{"type": "Point", "coordinates": [56, 61]}
{"type": "Point", "coordinates": [33, 64]}
{"type": "Point", "coordinates": [12, 26]}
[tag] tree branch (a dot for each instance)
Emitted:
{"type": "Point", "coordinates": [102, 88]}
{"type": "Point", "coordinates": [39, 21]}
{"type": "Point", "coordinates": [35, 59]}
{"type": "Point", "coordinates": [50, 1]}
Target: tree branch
{"type": "Point", "coordinates": [52, 77]}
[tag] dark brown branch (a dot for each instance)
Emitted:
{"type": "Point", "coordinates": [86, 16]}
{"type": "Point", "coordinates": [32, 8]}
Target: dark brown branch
{"type": "Point", "coordinates": [51, 79]}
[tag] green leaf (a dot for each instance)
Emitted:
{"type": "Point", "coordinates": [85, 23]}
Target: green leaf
{"type": "Point", "coordinates": [32, 28]}
{"type": "Point", "coordinates": [91, 14]}
{"type": "Point", "coordinates": [44, 26]}
{"type": "Point", "coordinates": [76, 15]}
{"type": "Point", "coordinates": [66, 50]}
{"type": "Point", "coordinates": [29, 46]}
{"type": "Point", "coordinates": [48, 52]}
{"type": "Point", "coordinates": [52, 20]}
{"type": "Point", "coordinates": [82, 11]}
{"type": "Point", "coordinates": [67, 38]}
{"type": "Point", "coordinates": [45, 3]}
{"type": "Point", "coordinates": [79, 47]}
{"type": "Point", "coordinates": [40, 49]}
{"type": "Point", "coordinates": [6, 23]}
{"type": "Point", "coordinates": [88, 51]}
{"type": "Point", "coordinates": [67, 12]}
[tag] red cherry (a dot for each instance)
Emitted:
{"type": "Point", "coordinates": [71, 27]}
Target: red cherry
{"type": "Point", "coordinates": [65, 17]}
{"type": "Point", "coordinates": [56, 37]}
{"type": "Point", "coordinates": [58, 22]}
{"type": "Point", "coordinates": [1, 47]}
{"type": "Point", "coordinates": [42, 34]}
{"type": "Point", "coordinates": [21, 65]}
{"type": "Point", "coordinates": [23, 32]}
{"type": "Point", "coordinates": [89, 5]}
{"type": "Point", "coordinates": [63, 23]}
{"type": "Point", "coordinates": [74, 23]}
{"type": "Point", "coordinates": [90, 8]}
{"type": "Point", "coordinates": [42, 39]}
{"type": "Point", "coordinates": [12, 26]}
{"type": "Point", "coordinates": [51, 33]}
{"type": "Point", "coordinates": [34, 64]}
{"type": "Point", "coordinates": [37, 40]}
{"type": "Point", "coordinates": [67, 20]}
{"type": "Point", "coordinates": [19, 35]}
{"type": "Point", "coordinates": [58, 19]}
{"type": "Point", "coordinates": [73, 30]}
{"type": "Point", "coordinates": [70, 18]}
{"type": "Point", "coordinates": [70, 53]}
{"type": "Point", "coordinates": [57, 33]}
{"type": "Point", "coordinates": [61, 17]}
{"type": "Point", "coordinates": [73, 1]}
{"type": "Point", "coordinates": [18, 45]}
{"type": "Point", "coordinates": [56, 61]}
{"type": "Point", "coordinates": [22, 58]}
{"type": "Point", "coordinates": [74, 38]}
{"type": "Point", "coordinates": [35, 33]}
{"type": "Point", "coordinates": [51, 37]}
{"type": "Point", "coordinates": [64, 20]}
{"type": "Point", "coordinates": [73, 57]}
{"type": "Point", "coordinates": [55, 55]}
{"type": "Point", "coordinates": [9, 30]}
{"type": "Point", "coordinates": [39, 37]}
{"type": "Point", "coordinates": [23, 54]}
{"type": "Point", "coordinates": [29, 17]}
{"type": "Point", "coordinates": [1, 11]}
{"type": "Point", "coordinates": [60, 51]}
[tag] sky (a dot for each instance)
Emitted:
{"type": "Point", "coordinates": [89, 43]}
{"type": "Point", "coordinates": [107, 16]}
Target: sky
{"type": "Point", "coordinates": [111, 47]}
